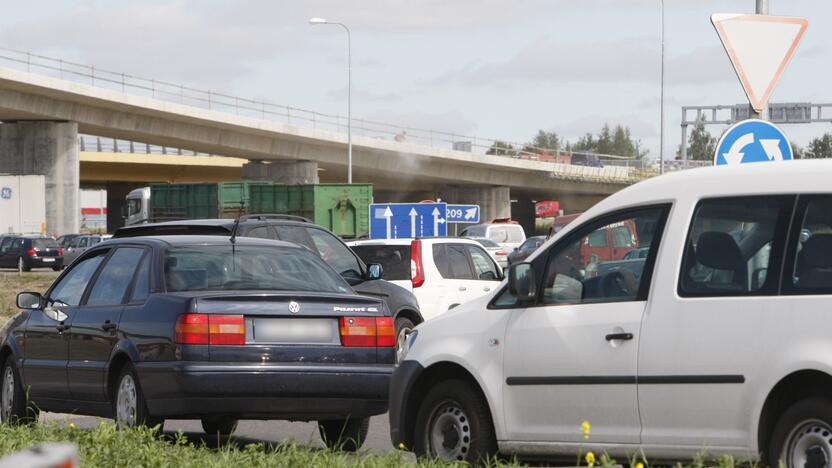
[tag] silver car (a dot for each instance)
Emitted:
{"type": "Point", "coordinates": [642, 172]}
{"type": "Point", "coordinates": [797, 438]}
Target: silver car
{"type": "Point", "coordinates": [80, 243]}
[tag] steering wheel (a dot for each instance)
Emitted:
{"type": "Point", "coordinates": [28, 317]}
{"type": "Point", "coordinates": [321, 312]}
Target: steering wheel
{"type": "Point", "coordinates": [620, 283]}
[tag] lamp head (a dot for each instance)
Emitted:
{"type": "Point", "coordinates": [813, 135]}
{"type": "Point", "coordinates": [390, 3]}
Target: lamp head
{"type": "Point", "coordinates": [317, 21]}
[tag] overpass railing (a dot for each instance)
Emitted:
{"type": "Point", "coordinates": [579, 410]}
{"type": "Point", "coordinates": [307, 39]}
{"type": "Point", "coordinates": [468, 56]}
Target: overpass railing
{"type": "Point", "coordinates": [622, 169]}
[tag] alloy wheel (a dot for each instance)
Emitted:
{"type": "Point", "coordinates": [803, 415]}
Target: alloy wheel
{"type": "Point", "coordinates": [401, 340]}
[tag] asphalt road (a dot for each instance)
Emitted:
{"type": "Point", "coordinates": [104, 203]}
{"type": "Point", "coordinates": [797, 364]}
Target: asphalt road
{"type": "Point", "coordinates": [268, 432]}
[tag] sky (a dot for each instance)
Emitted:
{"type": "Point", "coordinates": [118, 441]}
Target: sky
{"type": "Point", "coordinates": [490, 68]}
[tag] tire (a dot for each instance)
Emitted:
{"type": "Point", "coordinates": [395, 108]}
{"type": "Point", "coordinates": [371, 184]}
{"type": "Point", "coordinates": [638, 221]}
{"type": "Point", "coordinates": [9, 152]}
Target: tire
{"type": "Point", "coordinates": [14, 407]}
{"type": "Point", "coordinates": [403, 328]}
{"type": "Point", "coordinates": [455, 414]}
{"type": "Point", "coordinates": [129, 405]}
{"type": "Point", "coordinates": [219, 426]}
{"type": "Point", "coordinates": [57, 268]}
{"type": "Point", "coordinates": [347, 435]}
{"type": "Point", "coordinates": [802, 436]}
{"type": "Point", "coordinates": [22, 266]}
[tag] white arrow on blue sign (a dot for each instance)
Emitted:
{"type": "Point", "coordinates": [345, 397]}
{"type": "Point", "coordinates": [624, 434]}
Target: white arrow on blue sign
{"type": "Point", "coordinates": [464, 214]}
{"type": "Point", "coordinates": [751, 141]}
{"type": "Point", "coordinates": [408, 220]}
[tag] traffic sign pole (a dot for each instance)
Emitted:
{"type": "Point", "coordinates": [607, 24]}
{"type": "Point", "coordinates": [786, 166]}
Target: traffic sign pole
{"type": "Point", "coordinates": [761, 8]}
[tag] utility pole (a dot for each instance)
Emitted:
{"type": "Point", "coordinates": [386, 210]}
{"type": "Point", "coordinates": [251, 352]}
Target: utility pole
{"type": "Point", "coordinates": [761, 9]}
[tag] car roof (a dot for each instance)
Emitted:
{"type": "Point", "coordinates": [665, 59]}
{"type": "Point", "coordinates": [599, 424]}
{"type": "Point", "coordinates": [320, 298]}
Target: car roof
{"type": "Point", "coordinates": [176, 241]}
{"type": "Point", "coordinates": [226, 223]}
{"type": "Point", "coordinates": [407, 241]}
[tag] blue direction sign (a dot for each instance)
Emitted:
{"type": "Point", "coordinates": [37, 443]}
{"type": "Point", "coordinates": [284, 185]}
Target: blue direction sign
{"type": "Point", "coordinates": [751, 141]}
{"type": "Point", "coordinates": [408, 220]}
{"type": "Point", "coordinates": [464, 214]}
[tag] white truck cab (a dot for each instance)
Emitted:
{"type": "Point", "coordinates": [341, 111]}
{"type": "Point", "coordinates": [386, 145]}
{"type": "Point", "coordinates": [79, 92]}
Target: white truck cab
{"type": "Point", "coordinates": [719, 339]}
{"type": "Point", "coordinates": [138, 206]}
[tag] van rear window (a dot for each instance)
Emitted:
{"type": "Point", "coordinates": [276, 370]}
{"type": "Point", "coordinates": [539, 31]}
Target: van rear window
{"type": "Point", "coordinates": [394, 259]}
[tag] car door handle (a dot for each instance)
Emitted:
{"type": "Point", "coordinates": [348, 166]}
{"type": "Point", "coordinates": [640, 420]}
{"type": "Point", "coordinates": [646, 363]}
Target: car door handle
{"type": "Point", "coordinates": [619, 336]}
{"type": "Point", "coordinates": [463, 288]}
{"type": "Point", "coordinates": [108, 326]}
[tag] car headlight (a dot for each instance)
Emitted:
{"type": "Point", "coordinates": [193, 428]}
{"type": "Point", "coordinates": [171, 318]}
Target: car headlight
{"type": "Point", "coordinates": [408, 343]}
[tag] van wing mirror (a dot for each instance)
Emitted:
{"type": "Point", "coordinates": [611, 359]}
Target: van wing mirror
{"type": "Point", "coordinates": [522, 282]}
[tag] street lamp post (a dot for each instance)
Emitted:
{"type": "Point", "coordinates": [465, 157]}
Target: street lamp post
{"type": "Point", "coordinates": [316, 21]}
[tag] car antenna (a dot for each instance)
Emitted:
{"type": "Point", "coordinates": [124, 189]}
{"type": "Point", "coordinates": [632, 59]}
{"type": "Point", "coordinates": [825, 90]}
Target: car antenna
{"type": "Point", "coordinates": [234, 232]}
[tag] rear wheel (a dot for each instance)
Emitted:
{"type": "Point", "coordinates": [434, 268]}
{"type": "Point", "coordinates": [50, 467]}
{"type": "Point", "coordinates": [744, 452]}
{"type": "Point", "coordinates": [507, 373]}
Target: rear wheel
{"type": "Point", "coordinates": [219, 426]}
{"type": "Point", "coordinates": [802, 437]}
{"type": "Point", "coordinates": [129, 406]}
{"type": "Point", "coordinates": [344, 434]}
{"type": "Point", "coordinates": [454, 424]}
{"type": "Point", "coordinates": [403, 328]}
{"type": "Point", "coordinates": [14, 408]}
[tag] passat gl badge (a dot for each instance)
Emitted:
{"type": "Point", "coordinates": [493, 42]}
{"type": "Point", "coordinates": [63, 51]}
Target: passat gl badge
{"type": "Point", "coordinates": [294, 307]}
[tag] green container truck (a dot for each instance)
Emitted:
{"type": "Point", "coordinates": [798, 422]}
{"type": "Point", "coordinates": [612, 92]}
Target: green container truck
{"type": "Point", "coordinates": [341, 208]}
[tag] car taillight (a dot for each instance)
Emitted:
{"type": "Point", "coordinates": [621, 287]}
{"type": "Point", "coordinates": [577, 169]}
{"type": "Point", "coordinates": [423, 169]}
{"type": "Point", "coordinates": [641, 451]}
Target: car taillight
{"type": "Point", "coordinates": [501, 252]}
{"type": "Point", "coordinates": [367, 332]}
{"type": "Point", "coordinates": [60, 252]}
{"type": "Point", "coordinates": [205, 329]}
{"type": "Point", "coordinates": [417, 270]}
{"type": "Point", "coordinates": [32, 253]}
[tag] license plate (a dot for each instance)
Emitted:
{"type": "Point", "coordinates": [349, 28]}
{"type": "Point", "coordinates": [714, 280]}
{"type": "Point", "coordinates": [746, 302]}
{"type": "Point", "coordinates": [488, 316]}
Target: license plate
{"type": "Point", "coordinates": [47, 260]}
{"type": "Point", "coordinates": [295, 331]}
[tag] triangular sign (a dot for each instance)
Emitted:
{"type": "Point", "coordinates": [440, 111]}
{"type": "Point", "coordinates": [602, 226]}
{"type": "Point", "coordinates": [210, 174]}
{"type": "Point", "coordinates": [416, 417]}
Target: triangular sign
{"type": "Point", "coordinates": [760, 47]}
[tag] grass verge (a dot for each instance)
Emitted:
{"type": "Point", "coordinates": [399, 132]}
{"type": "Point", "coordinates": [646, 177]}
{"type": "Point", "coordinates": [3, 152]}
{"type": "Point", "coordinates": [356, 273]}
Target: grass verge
{"type": "Point", "coordinates": [11, 283]}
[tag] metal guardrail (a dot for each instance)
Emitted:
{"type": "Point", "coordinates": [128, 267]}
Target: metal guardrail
{"type": "Point", "coordinates": [264, 110]}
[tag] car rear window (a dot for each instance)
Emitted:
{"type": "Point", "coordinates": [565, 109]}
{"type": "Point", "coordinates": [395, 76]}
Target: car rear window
{"type": "Point", "coordinates": [41, 244]}
{"type": "Point", "coordinates": [223, 268]}
{"type": "Point", "coordinates": [487, 243]}
{"type": "Point", "coordinates": [394, 259]}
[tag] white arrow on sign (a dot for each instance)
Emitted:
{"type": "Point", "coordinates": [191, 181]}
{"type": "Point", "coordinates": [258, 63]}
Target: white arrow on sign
{"type": "Point", "coordinates": [388, 214]}
{"type": "Point", "coordinates": [760, 47]}
{"type": "Point", "coordinates": [772, 149]}
{"type": "Point", "coordinates": [734, 155]}
{"type": "Point", "coordinates": [470, 213]}
{"type": "Point", "coordinates": [413, 215]}
{"type": "Point", "coordinates": [436, 221]}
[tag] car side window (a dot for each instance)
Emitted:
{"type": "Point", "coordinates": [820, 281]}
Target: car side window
{"type": "Point", "coordinates": [733, 245]}
{"type": "Point", "coordinates": [4, 246]}
{"type": "Point", "coordinates": [83, 242]}
{"type": "Point", "coordinates": [458, 265]}
{"type": "Point", "coordinates": [295, 234]}
{"type": "Point", "coordinates": [71, 287]}
{"type": "Point", "coordinates": [335, 253]}
{"type": "Point", "coordinates": [440, 259]}
{"type": "Point", "coordinates": [141, 284]}
{"type": "Point", "coordinates": [114, 279]}
{"type": "Point", "coordinates": [580, 272]}
{"type": "Point", "coordinates": [484, 267]}
{"type": "Point", "coordinates": [260, 232]}
{"type": "Point", "coordinates": [811, 249]}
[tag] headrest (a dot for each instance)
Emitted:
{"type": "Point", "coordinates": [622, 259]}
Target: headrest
{"type": "Point", "coordinates": [718, 250]}
{"type": "Point", "coordinates": [817, 252]}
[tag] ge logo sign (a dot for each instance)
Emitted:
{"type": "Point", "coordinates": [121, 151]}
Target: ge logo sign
{"type": "Point", "coordinates": [6, 193]}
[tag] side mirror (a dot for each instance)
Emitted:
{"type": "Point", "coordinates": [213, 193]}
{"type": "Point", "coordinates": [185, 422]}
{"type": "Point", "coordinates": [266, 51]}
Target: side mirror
{"type": "Point", "coordinates": [522, 282]}
{"type": "Point", "coordinates": [29, 300]}
{"type": "Point", "coordinates": [374, 271]}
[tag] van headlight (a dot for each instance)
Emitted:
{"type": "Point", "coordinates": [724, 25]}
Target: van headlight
{"type": "Point", "coordinates": [408, 343]}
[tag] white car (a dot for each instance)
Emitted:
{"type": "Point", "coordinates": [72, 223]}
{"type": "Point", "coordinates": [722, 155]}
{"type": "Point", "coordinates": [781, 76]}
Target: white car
{"type": "Point", "coordinates": [441, 272]}
{"type": "Point", "coordinates": [508, 235]}
{"type": "Point", "coordinates": [499, 254]}
{"type": "Point", "coordinates": [718, 340]}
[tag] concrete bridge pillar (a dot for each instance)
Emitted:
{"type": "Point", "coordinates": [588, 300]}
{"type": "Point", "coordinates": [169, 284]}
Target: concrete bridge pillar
{"type": "Point", "coordinates": [49, 149]}
{"type": "Point", "coordinates": [282, 172]}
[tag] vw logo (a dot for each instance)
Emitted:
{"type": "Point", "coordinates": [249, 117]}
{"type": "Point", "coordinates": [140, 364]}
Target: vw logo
{"type": "Point", "coordinates": [294, 307]}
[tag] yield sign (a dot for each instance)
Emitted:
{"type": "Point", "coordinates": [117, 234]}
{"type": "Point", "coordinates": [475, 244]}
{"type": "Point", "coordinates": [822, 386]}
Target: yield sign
{"type": "Point", "coordinates": [759, 47]}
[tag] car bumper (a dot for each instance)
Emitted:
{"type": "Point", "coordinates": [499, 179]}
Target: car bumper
{"type": "Point", "coordinates": [267, 391]}
{"type": "Point", "coordinates": [401, 386]}
{"type": "Point", "coordinates": [45, 262]}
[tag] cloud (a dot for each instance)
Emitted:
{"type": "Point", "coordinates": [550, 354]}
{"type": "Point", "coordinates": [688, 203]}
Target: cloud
{"type": "Point", "coordinates": [451, 122]}
{"type": "Point", "coordinates": [359, 94]}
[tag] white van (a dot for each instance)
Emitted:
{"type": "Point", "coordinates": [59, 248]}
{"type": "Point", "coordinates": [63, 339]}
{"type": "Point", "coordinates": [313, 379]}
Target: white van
{"type": "Point", "coordinates": [508, 235]}
{"type": "Point", "coordinates": [719, 339]}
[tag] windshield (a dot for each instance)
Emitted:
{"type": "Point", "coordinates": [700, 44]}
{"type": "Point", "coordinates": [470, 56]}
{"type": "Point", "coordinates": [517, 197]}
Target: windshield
{"type": "Point", "coordinates": [218, 268]}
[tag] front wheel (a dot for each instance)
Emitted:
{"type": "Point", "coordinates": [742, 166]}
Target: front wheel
{"type": "Point", "coordinates": [802, 437]}
{"type": "Point", "coordinates": [14, 407]}
{"type": "Point", "coordinates": [454, 424]}
{"type": "Point", "coordinates": [347, 435]}
{"type": "Point", "coordinates": [129, 406]}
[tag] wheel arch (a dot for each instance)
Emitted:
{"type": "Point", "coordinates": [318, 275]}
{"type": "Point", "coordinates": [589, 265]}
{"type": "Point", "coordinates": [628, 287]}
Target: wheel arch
{"type": "Point", "coordinates": [123, 353]}
{"type": "Point", "coordinates": [790, 389]}
{"type": "Point", "coordinates": [437, 372]}
{"type": "Point", "coordinates": [410, 314]}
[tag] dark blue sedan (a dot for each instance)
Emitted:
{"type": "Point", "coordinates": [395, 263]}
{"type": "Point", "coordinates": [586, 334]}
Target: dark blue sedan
{"type": "Point", "coordinates": [199, 327]}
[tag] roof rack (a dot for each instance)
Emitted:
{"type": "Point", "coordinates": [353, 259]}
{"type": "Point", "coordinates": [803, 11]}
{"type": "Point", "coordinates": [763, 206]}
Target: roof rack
{"type": "Point", "coordinates": [267, 216]}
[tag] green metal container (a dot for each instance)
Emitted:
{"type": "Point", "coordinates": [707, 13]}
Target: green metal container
{"type": "Point", "coordinates": [194, 201]}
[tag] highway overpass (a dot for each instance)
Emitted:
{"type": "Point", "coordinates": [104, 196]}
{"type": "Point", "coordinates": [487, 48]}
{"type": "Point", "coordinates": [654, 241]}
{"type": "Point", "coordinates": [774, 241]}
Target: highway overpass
{"type": "Point", "coordinates": [43, 115]}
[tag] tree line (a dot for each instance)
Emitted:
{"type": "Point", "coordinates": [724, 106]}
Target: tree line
{"type": "Point", "coordinates": [616, 141]}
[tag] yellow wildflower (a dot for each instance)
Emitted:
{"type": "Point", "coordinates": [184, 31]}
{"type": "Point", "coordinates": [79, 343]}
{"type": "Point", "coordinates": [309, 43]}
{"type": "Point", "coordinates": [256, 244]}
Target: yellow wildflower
{"type": "Point", "coordinates": [590, 459]}
{"type": "Point", "coordinates": [585, 427]}
{"type": "Point", "coordinates": [639, 465]}
{"type": "Point", "coordinates": [402, 447]}
{"type": "Point", "coordinates": [71, 425]}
